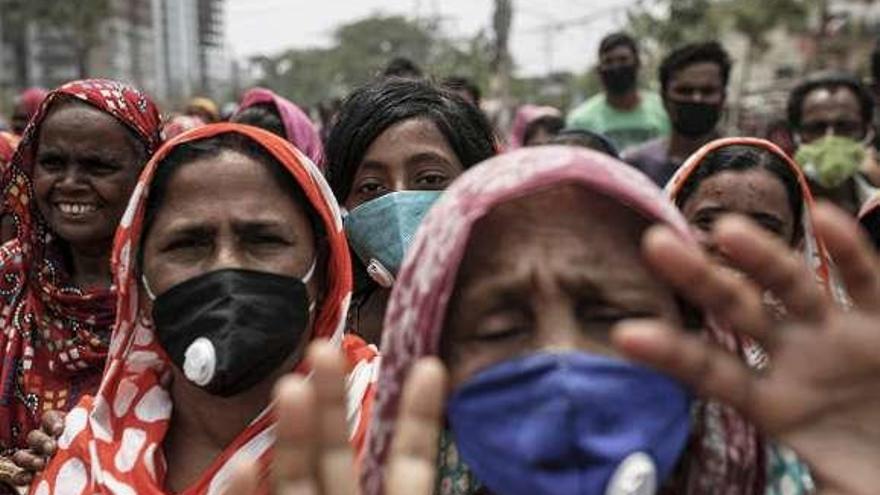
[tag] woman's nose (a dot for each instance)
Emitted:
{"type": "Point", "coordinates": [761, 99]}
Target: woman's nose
{"type": "Point", "coordinates": [228, 255]}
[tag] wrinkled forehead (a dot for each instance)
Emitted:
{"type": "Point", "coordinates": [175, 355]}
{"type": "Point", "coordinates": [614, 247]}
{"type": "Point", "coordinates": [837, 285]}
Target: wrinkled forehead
{"type": "Point", "coordinates": [565, 206]}
{"type": "Point", "coordinates": [555, 221]}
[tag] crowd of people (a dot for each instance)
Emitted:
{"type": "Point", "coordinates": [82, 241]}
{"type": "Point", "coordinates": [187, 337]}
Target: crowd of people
{"type": "Point", "coordinates": [399, 300]}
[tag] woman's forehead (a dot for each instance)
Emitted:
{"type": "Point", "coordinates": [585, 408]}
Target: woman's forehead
{"type": "Point", "coordinates": [561, 219]}
{"type": "Point", "coordinates": [567, 204]}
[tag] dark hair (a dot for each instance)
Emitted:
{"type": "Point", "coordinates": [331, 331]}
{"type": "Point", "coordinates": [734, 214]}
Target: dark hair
{"type": "Point", "coordinates": [586, 139]}
{"type": "Point", "coordinates": [693, 53]}
{"type": "Point", "coordinates": [461, 83]}
{"type": "Point", "coordinates": [614, 40]}
{"type": "Point", "coordinates": [740, 158]}
{"type": "Point", "coordinates": [829, 81]}
{"type": "Point", "coordinates": [262, 115]}
{"type": "Point", "coordinates": [402, 67]}
{"type": "Point", "coordinates": [373, 108]}
{"type": "Point", "coordinates": [550, 123]}
{"type": "Point", "coordinates": [209, 148]}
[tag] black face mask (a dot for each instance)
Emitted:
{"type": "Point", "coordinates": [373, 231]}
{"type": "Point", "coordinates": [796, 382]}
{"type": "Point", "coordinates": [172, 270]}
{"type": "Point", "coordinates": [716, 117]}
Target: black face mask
{"type": "Point", "coordinates": [694, 119]}
{"type": "Point", "coordinates": [229, 329]}
{"type": "Point", "coordinates": [620, 79]}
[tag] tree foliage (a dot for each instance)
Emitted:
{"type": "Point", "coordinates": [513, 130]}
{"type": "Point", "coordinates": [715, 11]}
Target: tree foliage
{"type": "Point", "coordinates": [667, 24]}
{"type": "Point", "coordinates": [361, 49]}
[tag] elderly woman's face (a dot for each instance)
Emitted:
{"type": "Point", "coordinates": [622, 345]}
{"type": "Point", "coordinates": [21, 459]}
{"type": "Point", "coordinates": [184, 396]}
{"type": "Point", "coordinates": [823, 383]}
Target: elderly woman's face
{"type": "Point", "coordinates": [755, 193]}
{"type": "Point", "coordinates": [554, 271]}
{"type": "Point", "coordinates": [226, 211]}
{"type": "Point", "coordinates": [411, 155]}
{"type": "Point", "coordinates": [87, 164]}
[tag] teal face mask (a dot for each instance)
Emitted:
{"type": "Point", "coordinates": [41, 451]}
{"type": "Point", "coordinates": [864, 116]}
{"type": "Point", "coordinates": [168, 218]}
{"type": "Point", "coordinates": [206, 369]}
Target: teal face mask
{"type": "Point", "coordinates": [381, 230]}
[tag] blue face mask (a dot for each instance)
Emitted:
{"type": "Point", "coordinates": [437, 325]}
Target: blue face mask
{"type": "Point", "coordinates": [571, 423]}
{"type": "Point", "coordinates": [381, 230]}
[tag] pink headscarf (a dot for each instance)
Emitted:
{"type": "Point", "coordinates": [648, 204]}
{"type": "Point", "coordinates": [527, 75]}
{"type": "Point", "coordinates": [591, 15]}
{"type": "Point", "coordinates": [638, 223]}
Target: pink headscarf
{"type": "Point", "coordinates": [725, 454]}
{"type": "Point", "coordinates": [525, 115]}
{"type": "Point", "coordinates": [299, 128]}
{"type": "Point", "coordinates": [30, 100]}
{"type": "Point", "coordinates": [179, 124]}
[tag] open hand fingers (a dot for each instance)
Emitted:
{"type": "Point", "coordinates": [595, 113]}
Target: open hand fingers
{"type": "Point", "coordinates": [40, 443]}
{"type": "Point", "coordinates": [23, 478]}
{"type": "Point", "coordinates": [710, 370]}
{"type": "Point", "coordinates": [413, 460]}
{"type": "Point", "coordinates": [772, 265]}
{"type": "Point", "coordinates": [26, 459]}
{"type": "Point", "coordinates": [732, 298]}
{"type": "Point", "coordinates": [52, 423]}
{"type": "Point", "coordinates": [335, 456]}
{"type": "Point", "coordinates": [245, 480]}
{"type": "Point", "coordinates": [854, 258]}
{"type": "Point", "coordinates": [293, 466]}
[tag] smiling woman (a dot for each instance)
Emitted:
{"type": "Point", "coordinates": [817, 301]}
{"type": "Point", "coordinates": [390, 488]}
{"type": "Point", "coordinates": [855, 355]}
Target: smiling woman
{"type": "Point", "coordinates": [66, 189]}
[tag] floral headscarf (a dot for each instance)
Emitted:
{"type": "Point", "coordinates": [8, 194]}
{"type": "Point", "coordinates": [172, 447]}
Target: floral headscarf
{"type": "Point", "coordinates": [297, 126]}
{"type": "Point", "coordinates": [725, 455]}
{"type": "Point", "coordinates": [112, 443]}
{"type": "Point", "coordinates": [54, 335]}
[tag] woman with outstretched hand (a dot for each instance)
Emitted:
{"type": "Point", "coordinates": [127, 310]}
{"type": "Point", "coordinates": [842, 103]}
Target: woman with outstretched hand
{"type": "Point", "coordinates": [819, 396]}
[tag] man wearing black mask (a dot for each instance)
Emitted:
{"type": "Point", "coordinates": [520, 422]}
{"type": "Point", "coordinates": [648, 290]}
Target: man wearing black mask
{"type": "Point", "coordinates": [626, 115]}
{"type": "Point", "coordinates": [693, 79]}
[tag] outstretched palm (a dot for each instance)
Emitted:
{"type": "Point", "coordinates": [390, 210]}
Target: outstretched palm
{"type": "Point", "coordinates": [821, 393]}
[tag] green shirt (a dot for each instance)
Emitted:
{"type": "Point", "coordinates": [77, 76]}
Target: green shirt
{"type": "Point", "coordinates": [645, 122]}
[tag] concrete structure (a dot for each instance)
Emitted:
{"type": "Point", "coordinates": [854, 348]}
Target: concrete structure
{"type": "Point", "coordinates": [172, 49]}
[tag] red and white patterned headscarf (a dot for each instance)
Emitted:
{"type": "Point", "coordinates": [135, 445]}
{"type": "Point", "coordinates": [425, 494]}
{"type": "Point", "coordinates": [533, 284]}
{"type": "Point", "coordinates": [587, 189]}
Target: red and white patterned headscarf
{"type": "Point", "coordinates": [725, 455]}
{"type": "Point", "coordinates": [113, 443]}
{"type": "Point", "coordinates": [38, 304]}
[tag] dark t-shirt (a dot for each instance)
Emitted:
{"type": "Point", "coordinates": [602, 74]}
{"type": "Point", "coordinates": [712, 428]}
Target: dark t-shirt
{"type": "Point", "coordinates": [652, 158]}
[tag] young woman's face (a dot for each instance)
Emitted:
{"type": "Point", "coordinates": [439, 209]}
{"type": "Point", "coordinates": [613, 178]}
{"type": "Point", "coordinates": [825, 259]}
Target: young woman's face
{"type": "Point", "coordinates": [410, 155]}
{"type": "Point", "coordinates": [552, 271]}
{"type": "Point", "coordinates": [755, 193]}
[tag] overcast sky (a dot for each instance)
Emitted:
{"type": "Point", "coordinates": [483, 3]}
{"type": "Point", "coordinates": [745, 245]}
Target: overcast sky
{"type": "Point", "coordinates": [270, 26]}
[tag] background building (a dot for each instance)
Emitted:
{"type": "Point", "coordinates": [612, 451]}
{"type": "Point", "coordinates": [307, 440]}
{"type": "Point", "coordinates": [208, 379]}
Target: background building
{"type": "Point", "coordinates": [172, 49]}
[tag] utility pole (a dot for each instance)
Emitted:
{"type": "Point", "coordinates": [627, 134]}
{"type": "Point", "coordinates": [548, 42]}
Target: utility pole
{"type": "Point", "coordinates": [499, 83]}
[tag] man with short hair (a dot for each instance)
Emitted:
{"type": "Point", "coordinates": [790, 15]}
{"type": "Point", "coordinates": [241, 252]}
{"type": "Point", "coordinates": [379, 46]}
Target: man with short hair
{"type": "Point", "coordinates": [625, 114]}
{"type": "Point", "coordinates": [831, 115]}
{"type": "Point", "coordinates": [693, 81]}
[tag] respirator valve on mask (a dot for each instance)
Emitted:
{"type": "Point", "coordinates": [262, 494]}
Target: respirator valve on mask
{"type": "Point", "coordinates": [635, 475]}
{"type": "Point", "coordinates": [200, 362]}
{"type": "Point", "coordinates": [380, 274]}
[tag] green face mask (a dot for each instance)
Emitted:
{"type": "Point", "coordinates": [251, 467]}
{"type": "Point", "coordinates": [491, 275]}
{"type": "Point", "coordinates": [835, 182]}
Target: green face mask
{"type": "Point", "coordinates": [831, 160]}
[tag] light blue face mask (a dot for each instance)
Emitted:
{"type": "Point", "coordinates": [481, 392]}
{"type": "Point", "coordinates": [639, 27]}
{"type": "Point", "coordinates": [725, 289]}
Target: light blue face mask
{"type": "Point", "coordinates": [381, 230]}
